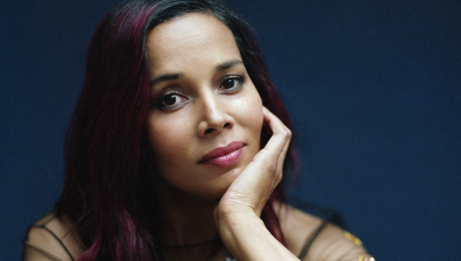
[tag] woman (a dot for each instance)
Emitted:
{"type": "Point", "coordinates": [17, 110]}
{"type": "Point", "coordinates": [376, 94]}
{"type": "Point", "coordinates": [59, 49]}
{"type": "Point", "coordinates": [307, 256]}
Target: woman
{"type": "Point", "coordinates": [177, 147]}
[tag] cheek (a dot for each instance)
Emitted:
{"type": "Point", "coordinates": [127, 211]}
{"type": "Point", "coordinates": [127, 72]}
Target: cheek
{"type": "Point", "coordinates": [167, 137]}
{"type": "Point", "coordinates": [250, 110]}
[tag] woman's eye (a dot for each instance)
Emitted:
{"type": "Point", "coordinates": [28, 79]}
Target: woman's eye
{"type": "Point", "coordinates": [232, 83]}
{"type": "Point", "coordinates": [171, 100]}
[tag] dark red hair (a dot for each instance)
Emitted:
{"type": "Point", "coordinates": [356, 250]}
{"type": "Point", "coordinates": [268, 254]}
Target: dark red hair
{"type": "Point", "coordinates": [106, 146]}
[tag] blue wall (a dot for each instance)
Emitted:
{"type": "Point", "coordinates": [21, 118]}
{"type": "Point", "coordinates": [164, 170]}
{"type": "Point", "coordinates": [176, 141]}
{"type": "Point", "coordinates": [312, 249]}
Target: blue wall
{"type": "Point", "coordinates": [373, 87]}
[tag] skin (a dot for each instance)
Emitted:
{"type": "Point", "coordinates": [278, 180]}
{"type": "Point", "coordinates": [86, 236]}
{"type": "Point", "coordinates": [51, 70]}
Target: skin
{"type": "Point", "coordinates": [192, 50]}
{"type": "Point", "coordinates": [203, 99]}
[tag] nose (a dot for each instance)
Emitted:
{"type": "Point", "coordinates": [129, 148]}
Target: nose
{"type": "Point", "coordinates": [214, 116]}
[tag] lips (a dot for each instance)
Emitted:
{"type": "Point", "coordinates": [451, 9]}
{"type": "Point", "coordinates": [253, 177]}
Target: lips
{"type": "Point", "coordinates": [224, 156]}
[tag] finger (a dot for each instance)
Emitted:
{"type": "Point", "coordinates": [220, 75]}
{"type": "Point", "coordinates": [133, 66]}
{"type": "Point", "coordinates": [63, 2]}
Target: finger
{"type": "Point", "coordinates": [283, 154]}
{"type": "Point", "coordinates": [280, 133]}
{"type": "Point", "coordinates": [266, 167]}
{"type": "Point", "coordinates": [281, 137]}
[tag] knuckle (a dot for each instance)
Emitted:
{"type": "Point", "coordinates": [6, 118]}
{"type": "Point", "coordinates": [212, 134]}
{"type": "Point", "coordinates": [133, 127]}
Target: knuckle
{"type": "Point", "coordinates": [287, 133]}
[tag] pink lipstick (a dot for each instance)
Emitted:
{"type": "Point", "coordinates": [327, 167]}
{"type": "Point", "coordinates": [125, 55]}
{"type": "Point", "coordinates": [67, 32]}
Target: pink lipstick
{"type": "Point", "coordinates": [224, 156]}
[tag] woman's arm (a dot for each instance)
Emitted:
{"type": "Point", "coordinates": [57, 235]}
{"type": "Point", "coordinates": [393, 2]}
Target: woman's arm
{"type": "Point", "coordinates": [247, 238]}
{"type": "Point", "coordinates": [238, 213]}
{"type": "Point", "coordinates": [241, 229]}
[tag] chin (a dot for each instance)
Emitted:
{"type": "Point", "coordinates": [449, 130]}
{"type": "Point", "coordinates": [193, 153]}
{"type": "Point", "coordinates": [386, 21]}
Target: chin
{"type": "Point", "coordinates": [225, 181]}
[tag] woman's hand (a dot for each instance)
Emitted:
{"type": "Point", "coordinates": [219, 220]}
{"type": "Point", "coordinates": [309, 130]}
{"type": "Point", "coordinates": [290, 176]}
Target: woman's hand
{"type": "Point", "coordinates": [253, 187]}
{"type": "Point", "coordinates": [237, 215]}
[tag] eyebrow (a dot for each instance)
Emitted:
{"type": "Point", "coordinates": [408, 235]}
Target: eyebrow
{"type": "Point", "coordinates": [165, 77]}
{"type": "Point", "coordinates": [228, 64]}
{"type": "Point", "coordinates": [175, 76]}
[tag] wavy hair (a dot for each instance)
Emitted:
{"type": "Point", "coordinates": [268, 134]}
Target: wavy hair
{"type": "Point", "coordinates": [106, 144]}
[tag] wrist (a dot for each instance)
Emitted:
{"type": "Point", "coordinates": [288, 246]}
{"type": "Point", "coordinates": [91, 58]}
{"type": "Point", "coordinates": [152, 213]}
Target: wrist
{"type": "Point", "coordinates": [239, 232]}
{"type": "Point", "coordinates": [247, 238]}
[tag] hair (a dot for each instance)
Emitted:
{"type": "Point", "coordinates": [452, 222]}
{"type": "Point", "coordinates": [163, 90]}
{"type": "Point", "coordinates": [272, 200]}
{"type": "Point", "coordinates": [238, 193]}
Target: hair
{"type": "Point", "coordinates": [106, 144]}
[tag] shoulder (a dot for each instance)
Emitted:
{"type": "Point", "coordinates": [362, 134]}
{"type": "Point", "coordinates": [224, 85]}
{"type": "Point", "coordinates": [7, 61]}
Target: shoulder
{"type": "Point", "coordinates": [52, 238]}
{"type": "Point", "coordinates": [297, 226]}
{"type": "Point", "coordinates": [325, 240]}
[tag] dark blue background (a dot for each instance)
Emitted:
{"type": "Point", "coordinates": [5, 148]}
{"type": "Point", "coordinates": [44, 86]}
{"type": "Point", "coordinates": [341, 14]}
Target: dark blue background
{"type": "Point", "coordinates": [373, 87]}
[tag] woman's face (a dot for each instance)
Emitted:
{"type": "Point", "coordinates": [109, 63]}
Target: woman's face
{"type": "Point", "coordinates": [206, 115]}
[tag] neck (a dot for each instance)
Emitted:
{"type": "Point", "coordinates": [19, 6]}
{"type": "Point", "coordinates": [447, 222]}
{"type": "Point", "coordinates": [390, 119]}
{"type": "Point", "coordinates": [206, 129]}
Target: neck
{"type": "Point", "coordinates": [186, 219]}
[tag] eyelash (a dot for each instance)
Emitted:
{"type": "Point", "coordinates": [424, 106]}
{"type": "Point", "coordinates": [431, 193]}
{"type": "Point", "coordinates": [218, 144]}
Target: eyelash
{"type": "Point", "coordinates": [233, 89]}
{"type": "Point", "coordinates": [161, 99]}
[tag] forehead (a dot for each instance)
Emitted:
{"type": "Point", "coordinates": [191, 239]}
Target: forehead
{"type": "Point", "coordinates": [191, 38]}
